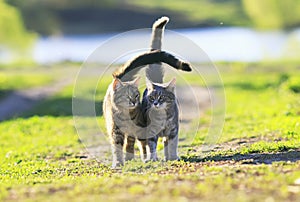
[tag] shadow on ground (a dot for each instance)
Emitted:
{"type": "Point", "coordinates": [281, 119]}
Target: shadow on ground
{"type": "Point", "coordinates": [4, 93]}
{"type": "Point", "coordinates": [255, 158]}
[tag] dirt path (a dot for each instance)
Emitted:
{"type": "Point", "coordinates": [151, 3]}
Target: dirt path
{"type": "Point", "coordinates": [23, 100]}
{"type": "Point", "coordinates": [193, 101]}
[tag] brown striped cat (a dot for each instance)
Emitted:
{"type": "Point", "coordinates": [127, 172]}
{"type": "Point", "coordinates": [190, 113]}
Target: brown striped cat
{"type": "Point", "coordinates": [122, 108]}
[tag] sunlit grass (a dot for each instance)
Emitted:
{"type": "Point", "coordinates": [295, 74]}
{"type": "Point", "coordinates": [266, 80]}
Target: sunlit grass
{"type": "Point", "coordinates": [11, 82]}
{"type": "Point", "coordinates": [43, 159]}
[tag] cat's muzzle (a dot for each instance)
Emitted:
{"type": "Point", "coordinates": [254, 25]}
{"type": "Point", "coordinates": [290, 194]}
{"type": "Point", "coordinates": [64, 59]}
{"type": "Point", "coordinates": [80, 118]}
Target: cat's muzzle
{"type": "Point", "coordinates": [132, 104]}
{"type": "Point", "coordinates": [156, 105]}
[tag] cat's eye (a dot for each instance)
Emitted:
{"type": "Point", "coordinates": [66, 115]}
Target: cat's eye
{"type": "Point", "coordinates": [151, 98]}
{"type": "Point", "coordinates": [162, 97]}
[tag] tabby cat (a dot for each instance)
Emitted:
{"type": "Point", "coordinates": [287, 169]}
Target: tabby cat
{"type": "Point", "coordinates": [160, 107]}
{"type": "Point", "coordinates": [154, 73]}
{"type": "Point", "coordinates": [122, 108]}
{"type": "Point", "coordinates": [160, 104]}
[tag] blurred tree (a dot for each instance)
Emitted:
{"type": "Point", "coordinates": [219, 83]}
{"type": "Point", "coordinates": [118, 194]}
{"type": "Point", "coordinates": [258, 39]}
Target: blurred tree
{"type": "Point", "coordinates": [273, 14]}
{"type": "Point", "coordinates": [13, 34]}
{"type": "Point", "coordinates": [203, 13]}
{"type": "Point", "coordinates": [51, 17]}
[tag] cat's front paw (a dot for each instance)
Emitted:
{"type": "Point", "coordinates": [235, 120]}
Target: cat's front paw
{"type": "Point", "coordinates": [117, 165]}
{"type": "Point", "coordinates": [149, 160]}
{"type": "Point", "coordinates": [129, 156]}
{"type": "Point", "coordinates": [175, 158]}
{"type": "Point", "coordinates": [152, 158]}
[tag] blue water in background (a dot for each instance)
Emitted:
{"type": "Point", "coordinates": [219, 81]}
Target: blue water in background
{"type": "Point", "coordinates": [220, 44]}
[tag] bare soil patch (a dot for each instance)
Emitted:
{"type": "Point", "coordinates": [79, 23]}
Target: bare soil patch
{"type": "Point", "coordinates": [20, 101]}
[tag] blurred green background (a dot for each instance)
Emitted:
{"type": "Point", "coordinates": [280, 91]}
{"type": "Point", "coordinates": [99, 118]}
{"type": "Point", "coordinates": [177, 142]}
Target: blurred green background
{"type": "Point", "coordinates": [23, 22]}
{"type": "Point", "coordinates": [48, 17]}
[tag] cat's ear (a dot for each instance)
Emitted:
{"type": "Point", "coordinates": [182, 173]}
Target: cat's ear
{"type": "Point", "coordinates": [136, 81]}
{"type": "Point", "coordinates": [117, 83]}
{"type": "Point", "coordinates": [171, 85]}
{"type": "Point", "coordinates": [149, 84]}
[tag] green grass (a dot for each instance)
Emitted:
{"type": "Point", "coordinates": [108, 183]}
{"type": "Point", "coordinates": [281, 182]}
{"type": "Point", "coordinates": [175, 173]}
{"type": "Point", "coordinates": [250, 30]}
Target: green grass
{"type": "Point", "coordinates": [22, 78]}
{"type": "Point", "coordinates": [256, 159]}
{"type": "Point", "coordinates": [12, 81]}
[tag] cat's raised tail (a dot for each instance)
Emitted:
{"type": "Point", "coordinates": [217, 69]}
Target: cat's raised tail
{"type": "Point", "coordinates": [157, 32]}
{"type": "Point", "coordinates": [155, 72]}
{"type": "Point", "coordinates": [128, 71]}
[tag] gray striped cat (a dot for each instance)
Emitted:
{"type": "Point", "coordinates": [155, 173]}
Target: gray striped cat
{"type": "Point", "coordinates": [160, 107]}
{"type": "Point", "coordinates": [159, 102]}
{"type": "Point", "coordinates": [122, 109]}
{"type": "Point", "coordinates": [121, 106]}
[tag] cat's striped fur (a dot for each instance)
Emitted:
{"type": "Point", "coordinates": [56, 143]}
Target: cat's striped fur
{"type": "Point", "coordinates": [121, 106]}
{"type": "Point", "coordinates": [160, 107]}
{"type": "Point", "coordinates": [155, 72]}
{"type": "Point", "coordinates": [160, 104]}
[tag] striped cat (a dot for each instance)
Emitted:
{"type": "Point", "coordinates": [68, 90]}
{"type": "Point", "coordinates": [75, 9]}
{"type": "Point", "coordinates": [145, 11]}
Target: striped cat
{"type": "Point", "coordinates": [160, 104]}
{"type": "Point", "coordinates": [160, 107]}
{"type": "Point", "coordinates": [121, 106]}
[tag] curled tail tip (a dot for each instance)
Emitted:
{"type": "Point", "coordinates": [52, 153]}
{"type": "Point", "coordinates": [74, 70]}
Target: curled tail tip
{"type": "Point", "coordinates": [185, 67]}
{"type": "Point", "coordinates": [161, 22]}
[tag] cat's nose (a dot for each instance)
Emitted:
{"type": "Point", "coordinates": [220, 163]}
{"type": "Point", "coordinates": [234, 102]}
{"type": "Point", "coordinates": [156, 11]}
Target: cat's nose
{"type": "Point", "coordinates": [155, 103]}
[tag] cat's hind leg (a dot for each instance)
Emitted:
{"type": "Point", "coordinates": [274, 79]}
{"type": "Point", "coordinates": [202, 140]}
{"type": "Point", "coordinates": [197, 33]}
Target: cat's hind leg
{"type": "Point", "coordinates": [129, 147]}
{"type": "Point", "coordinates": [143, 149]}
{"type": "Point", "coordinates": [171, 148]}
{"type": "Point", "coordinates": [166, 147]}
